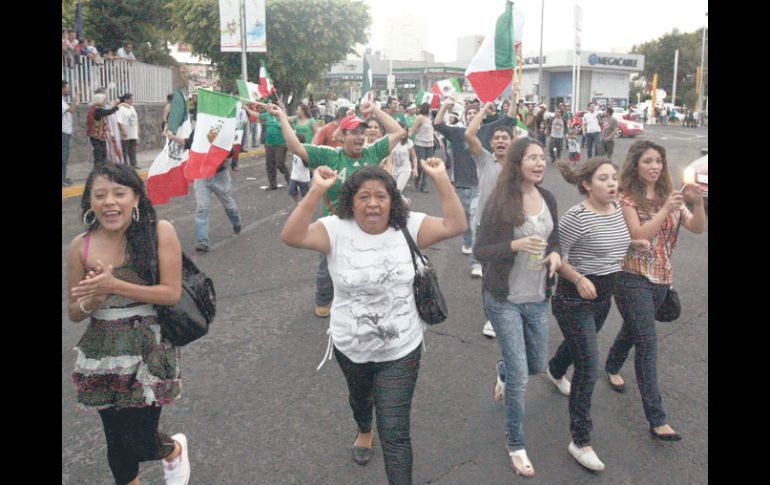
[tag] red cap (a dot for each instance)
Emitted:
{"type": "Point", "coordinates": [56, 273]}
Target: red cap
{"type": "Point", "coordinates": [351, 122]}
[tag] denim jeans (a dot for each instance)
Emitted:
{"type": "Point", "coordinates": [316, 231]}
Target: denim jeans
{"type": "Point", "coordinates": [522, 331]}
{"type": "Point", "coordinates": [65, 153]}
{"type": "Point", "coordinates": [637, 299]}
{"type": "Point", "coordinates": [324, 286]}
{"type": "Point", "coordinates": [253, 140]}
{"type": "Point", "coordinates": [220, 185]}
{"type": "Point", "coordinates": [387, 387]}
{"type": "Point", "coordinates": [592, 139]}
{"type": "Point", "coordinates": [469, 197]}
{"type": "Point", "coordinates": [580, 321]}
{"type": "Point", "coordinates": [423, 153]}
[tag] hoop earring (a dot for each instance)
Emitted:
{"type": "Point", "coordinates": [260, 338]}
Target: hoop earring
{"type": "Point", "coordinates": [135, 214]}
{"type": "Point", "coordinates": [89, 212]}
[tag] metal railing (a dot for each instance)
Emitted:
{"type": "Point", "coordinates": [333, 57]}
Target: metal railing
{"type": "Point", "coordinates": [147, 82]}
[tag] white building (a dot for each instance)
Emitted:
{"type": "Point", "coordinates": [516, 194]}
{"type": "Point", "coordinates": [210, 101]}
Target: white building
{"type": "Point", "coordinates": [405, 38]}
{"type": "Point", "coordinates": [604, 77]}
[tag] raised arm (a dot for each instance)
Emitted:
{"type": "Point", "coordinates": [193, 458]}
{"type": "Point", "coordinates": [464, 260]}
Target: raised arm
{"type": "Point", "coordinates": [392, 128]}
{"type": "Point", "coordinates": [292, 142]}
{"type": "Point", "coordinates": [453, 223]}
{"type": "Point", "coordinates": [474, 144]}
{"type": "Point", "coordinates": [447, 105]}
{"type": "Point", "coordinates": [298, 232]}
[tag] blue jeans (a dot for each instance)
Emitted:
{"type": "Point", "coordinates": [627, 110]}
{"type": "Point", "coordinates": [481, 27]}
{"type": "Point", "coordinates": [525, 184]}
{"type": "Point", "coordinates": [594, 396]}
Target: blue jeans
{"type": "Point", "coordinates": [469, 197]}
{"type": "Point", "coordinates": [637, 299]}
{"type": "Point", "coordinates": [580, 321]}
{"type": "Point", "coordinates": [387, 387]}
{"type": "Point", "coordinates": [522, 331]}
{"type": "Point", "coordinates": [591, 140]}
{"type": "Point", "coordinates": [65, 153]}
{"type": "Point", "coordinates": [423, 153]}
{"type": "Point", "coordinates": [324, 286]}
{"type": "Point", "coordinates": [221, 186]}
{"type": "Point", "coordinates": [253, 141]}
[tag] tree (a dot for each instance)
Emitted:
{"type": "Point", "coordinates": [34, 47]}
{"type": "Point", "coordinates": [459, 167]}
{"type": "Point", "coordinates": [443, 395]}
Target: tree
{"type": "Point", "coordinates": [659, 58]}
{"type": "Point", "coordinates": [144, 23]}
{"type": "Point", "coordinates": [304, 39]}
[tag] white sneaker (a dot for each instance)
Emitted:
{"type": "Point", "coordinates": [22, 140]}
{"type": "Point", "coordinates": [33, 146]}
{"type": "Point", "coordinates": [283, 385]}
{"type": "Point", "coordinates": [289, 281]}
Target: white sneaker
{"type": "Point", "coordinates": [562, 384]}
{"type": "Point", "coordinates": [488, 330]}
{"type": "Point", "coordinates": [466, 250]}
{"type": "Point", "coordinates": [499, 388]}
{"type": "Point", "coordinates": [476, 270]}
{"type": "Point", "coordinates": [587, 458]}
{"type": "Point", "coordinates": [177, 472]}
{"type": "Point", "coordinates": [521, 464]}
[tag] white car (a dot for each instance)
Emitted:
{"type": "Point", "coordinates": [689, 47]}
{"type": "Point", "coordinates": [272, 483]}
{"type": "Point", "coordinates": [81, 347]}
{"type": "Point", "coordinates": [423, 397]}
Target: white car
{"type": "Point", "coordinates": [698, 172]}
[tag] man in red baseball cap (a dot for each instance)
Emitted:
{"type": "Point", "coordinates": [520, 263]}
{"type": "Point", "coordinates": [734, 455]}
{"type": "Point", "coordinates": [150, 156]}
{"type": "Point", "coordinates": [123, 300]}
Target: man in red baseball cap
{"type": "Point", "coordinates": [346, 159]}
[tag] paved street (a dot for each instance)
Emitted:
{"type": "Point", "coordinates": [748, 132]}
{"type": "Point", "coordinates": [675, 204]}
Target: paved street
{"type": "Point", "coordinates": [256, 411]}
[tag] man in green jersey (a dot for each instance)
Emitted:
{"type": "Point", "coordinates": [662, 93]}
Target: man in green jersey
{"type": "Point", "coordinates": [346, 159]}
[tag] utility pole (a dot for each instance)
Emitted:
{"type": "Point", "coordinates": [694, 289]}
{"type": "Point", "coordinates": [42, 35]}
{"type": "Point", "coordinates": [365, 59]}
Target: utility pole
{"type": "Point", "coordinates": [540, 68]}
{"type": "Point", "coordinates": [676, 65]}
{"type": "Point", "coordinates": [702, 59]}
{"type": "Point", "coordinates": [244, 71]}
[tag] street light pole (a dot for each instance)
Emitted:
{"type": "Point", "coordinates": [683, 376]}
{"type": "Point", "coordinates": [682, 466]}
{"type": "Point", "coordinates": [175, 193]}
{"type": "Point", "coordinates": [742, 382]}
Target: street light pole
{"type": "Point", "coordinates": [244, 71]}
{"type": "Point", "coordinates": [540, 68]}
{"type": "Point", "coordinates": [702, 58]}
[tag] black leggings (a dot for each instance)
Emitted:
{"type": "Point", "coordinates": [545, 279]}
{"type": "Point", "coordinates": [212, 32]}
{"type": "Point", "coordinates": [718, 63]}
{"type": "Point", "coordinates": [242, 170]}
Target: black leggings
{"type": "Point", "coordinates": [133, 437]}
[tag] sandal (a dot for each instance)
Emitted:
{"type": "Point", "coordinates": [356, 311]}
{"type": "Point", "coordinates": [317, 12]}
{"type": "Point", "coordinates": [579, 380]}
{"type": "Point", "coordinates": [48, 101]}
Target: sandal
{"type": "Point", "coordinates": [521, 464]}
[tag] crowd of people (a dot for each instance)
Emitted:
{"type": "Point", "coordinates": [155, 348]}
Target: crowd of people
{"type": "Point", "coordinates": [74, 50]}
{"type": "Point", "coordinates": [615, 244]}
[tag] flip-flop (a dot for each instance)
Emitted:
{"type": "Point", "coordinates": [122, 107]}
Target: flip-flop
{"type": "Point", "coordinates": [521, 464]}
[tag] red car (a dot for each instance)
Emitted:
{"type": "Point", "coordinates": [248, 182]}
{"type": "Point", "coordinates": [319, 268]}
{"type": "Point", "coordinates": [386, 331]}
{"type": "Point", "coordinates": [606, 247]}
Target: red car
{"type": "Point", "coordinates": [627, 129]}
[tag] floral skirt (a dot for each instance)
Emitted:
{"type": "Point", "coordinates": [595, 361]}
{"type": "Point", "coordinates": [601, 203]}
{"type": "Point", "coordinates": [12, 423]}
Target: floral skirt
{"type": "Point", "coordinates": [122, 362]}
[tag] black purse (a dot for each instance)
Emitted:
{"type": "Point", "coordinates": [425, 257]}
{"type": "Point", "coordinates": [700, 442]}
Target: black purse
{"type": "Point", "coordinates": [189, 319]}
{"type": "Point", "coordinates": [671, 307]}
{"type": "Point", "coordinates": [427, 295]}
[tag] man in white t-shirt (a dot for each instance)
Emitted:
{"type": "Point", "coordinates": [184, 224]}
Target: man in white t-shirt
{"type": "Point", "coordinates": [66, 128]}
{"type": "Point", "coordinates": [127, 53]}
{"type": "Point", "coordinates": [592, 129]}
{"type": "Point", "coordinates": [128, 123]}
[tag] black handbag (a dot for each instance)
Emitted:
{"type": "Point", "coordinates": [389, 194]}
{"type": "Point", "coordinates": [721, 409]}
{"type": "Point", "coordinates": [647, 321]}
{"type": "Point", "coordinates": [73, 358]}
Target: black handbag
{"type": "Point", "coordinates": [427, 295]}
{"type": "Point", "coordinates": [671, 307]}
{"type": "Point", "coordinates": [189, 319]}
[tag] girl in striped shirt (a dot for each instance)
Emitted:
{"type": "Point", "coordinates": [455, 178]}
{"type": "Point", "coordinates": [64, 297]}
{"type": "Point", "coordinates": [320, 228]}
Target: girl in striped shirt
{"type": "Point", "coordinates": [594, 240]}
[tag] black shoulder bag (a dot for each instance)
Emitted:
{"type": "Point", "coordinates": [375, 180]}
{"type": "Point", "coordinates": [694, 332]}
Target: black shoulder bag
{"type": "Point", "coordinates": [427, 295]}
{"type": "Point", "coordinates": [671, 307]}
{"type": "Point", "coordinates": [189, 319]}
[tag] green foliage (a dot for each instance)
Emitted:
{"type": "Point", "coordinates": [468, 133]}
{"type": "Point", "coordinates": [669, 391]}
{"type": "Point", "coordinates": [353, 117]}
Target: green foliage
{"type": "Point", "coordinates": [659, 58]}
{"type": "Point", "coordinates": [143, 22]}
{"type": "Point", "coordinates": [304, 39]}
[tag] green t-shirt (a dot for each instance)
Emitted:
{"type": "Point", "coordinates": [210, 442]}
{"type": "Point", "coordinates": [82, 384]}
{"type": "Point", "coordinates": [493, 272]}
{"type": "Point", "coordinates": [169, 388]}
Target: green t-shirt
{"type": "Point", "coordinates": [400, 117]}
{"type": "Point", "coordinates": [274, 133]}
{"type": "Point", "coordinates": [336, 159]}
{"type": "Point", "coordinates": [306, 129]}
{"type": "Point", "coordinates": [409, 121]}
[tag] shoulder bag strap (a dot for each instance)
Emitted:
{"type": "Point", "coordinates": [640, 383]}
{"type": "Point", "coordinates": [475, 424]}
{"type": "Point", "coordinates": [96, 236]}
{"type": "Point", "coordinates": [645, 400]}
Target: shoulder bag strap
{"type": "Point", "coordinates": [413, 248]}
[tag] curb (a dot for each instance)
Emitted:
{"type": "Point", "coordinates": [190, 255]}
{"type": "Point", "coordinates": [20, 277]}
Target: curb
{"type": "Point", "coordinates": [77, 189]}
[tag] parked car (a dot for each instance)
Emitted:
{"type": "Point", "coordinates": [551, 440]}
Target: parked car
{"type": "Point", "coordinates": [628, 129]}
{"type": "Point", "coordinates": [698, 172]}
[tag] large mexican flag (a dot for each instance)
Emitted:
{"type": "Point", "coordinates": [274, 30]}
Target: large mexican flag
{"type": "Point", "coordinates": [214, 133]}
{"type": "Point", "coordinates": [165, 178]}
{"type": "Point", "coordinates": [491, 69]}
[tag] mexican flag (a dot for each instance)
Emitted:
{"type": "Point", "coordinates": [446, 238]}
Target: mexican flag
{"type": "Point", "coordinates": [214, 133]}
{"type": "Point", "coordinates": [447, 87]}
{"type": "Point", "coordinates": [425, 97]}
{"type": "Point", "coordinates": [165, 178]}
{"type": "Point", "coordinates": [366, 84]}
{"type": "Point", "coordinates": [491, 69]}
{"type": "Point", "coordinates": [248, 90]}
{"type": "Point", "coordinates": [266, 87]}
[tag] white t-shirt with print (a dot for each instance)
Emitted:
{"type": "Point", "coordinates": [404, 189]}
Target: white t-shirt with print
{"type": "Point", "coordinates": [374, 316]}
{"type": "Point", "coordinates": [299, 171]}
{"type": "Point", "coordinates": [400, 154]}
{"type": "Point", "coordinates": [128, 118]}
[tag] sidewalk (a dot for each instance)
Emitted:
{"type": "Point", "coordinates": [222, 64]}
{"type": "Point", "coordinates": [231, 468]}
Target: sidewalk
{"type": "Point", "coordinates": [78, 172]}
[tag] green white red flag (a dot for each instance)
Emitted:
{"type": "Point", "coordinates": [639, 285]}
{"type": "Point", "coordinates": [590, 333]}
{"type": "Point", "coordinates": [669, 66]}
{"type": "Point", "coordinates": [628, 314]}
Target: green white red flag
{"type": "Point", "coordinates": [248, 90]}
{"type": "Point", "coordinates": [447, 87]}
{"type": "Point", "coordinates": [165, 177]}
{"type": "Point", "coordinates": [491, 69]}
{"type": "Point", "coordinates": [266, 87]}
{"type": "Point", "coordinates": [214, 133]}
{"type": "Point", "coordinates": [426, 97]}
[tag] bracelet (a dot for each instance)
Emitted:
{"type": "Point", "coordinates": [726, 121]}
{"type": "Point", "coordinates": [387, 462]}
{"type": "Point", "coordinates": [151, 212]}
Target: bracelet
{"type": "Point", "coordinates": [83, 309]}
{"type": "Point", "coordinates": [580, 276]}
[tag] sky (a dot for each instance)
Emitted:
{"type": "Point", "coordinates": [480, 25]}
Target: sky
{"type": "Point", "coordinates": [607, 24]}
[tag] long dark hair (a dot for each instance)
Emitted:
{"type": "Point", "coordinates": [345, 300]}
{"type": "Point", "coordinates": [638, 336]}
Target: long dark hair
{"type": "Point", "coordinates": [398, 211]}
{"type": "Point", "coordinates": [506, 201]}
{"type": "Point", "coordinates": [632, 185]}
{"type": "Point", "coordinates": [139, 235]}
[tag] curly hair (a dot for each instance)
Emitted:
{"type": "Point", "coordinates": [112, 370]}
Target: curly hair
{"type": "Point", "coordinates": [398, 210]}
{"type": "Point", "coordinates": [584, 173]}
{"type": "Point", "coordinates": [506, 202]}
{"type": "Point", "coordinates": [631, 184]}
{"type": "Point", "coordinates": [139, 234]}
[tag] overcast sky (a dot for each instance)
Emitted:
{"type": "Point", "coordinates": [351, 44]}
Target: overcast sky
{"type": "Point", "coordinates": [607, 24]}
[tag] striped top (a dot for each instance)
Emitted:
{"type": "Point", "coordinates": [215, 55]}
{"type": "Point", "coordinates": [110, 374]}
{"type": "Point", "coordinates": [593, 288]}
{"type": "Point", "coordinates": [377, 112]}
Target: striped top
{"type": "Point", "coordinates": [594, 244]}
